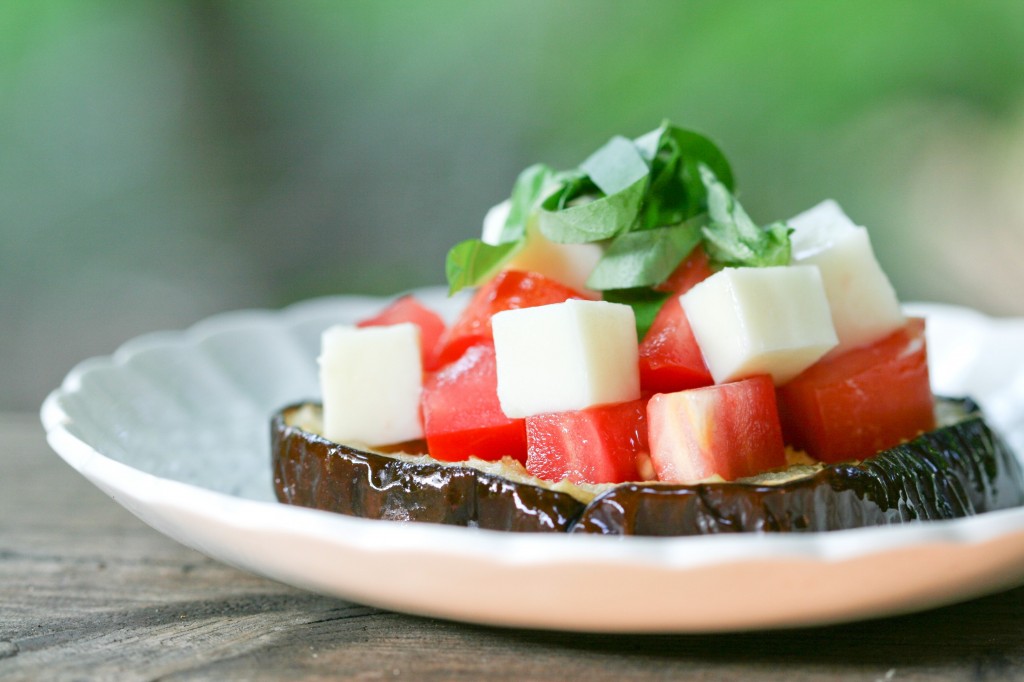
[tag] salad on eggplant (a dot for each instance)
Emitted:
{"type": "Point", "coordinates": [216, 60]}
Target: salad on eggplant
{"type": "Point", "coordinates": [639, 357]}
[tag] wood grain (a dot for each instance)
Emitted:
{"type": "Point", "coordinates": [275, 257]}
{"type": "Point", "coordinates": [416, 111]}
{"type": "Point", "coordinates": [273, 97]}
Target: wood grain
{"type": "Point", "coordinates": [87, 592]}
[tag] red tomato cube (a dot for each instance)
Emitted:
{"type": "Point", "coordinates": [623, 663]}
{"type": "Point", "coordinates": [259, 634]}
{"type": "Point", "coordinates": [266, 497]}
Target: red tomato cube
{"type": "Point", "coordinates": [461, 414]}
{"type": "Point", "coordinates": [601, 444]}
{"type": "Point", "coordinates": [510, 289]}
{"type": "Point", "coordinates": [730, 430]}
{"type": "Point", "coordinates": [408, 309]}
{"type": "Point", "coordinates": [670, 359]}
{"type": "Point", "coordinates": [853, 405]}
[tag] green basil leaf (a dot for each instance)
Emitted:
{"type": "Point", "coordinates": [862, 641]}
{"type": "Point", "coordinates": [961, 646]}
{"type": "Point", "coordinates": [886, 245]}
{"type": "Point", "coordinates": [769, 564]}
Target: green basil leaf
{"type": "Point", "coordinates": [777, 248]}
{"type": "Point", "coordinates": [591, 221]}
{"type": "Point", "coordinates": [724, 249]}
{"type": "Point", "coordinates": [732, 238]}
{"type": "Point", "coordinates": [616, 166]}
{"type": "Point", "coordinates": [668, 201]}
{"type": "Point", "coordinates": [702, 150]}
{"type": "Point", "coordinates": [723, 207]}
{"type": "Point", "coordinates": [526, 193]}
{"type": "Point", "coordinates": [650, 143]}
{"type": "Point", "coordinates": [644, 258]}
{"type": "Point", "coordinates": [645, 304]}
{"type": "Point", "coordinates": [472, 261]}
{"type": "Point", "coordinates": [676, 190]}
{"type": "Point", "coordinates": [672, 183]}
{"type": "Point", "coordinates": [599, 201]}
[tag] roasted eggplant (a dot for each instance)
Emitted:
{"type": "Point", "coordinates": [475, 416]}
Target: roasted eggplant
{"type": "Point", "coordinates": [960, 469]}
{"type": "Point", "coordinates": [311, 471]}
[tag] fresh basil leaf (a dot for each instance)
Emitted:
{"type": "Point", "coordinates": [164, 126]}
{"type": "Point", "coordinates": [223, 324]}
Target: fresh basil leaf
{"type": "Point", "coordinates": [650, 143]}
{"type": "Point", "coordinates": [644, 258]}
{"type": "Point", "coordinates": [601, 200]}
{"type": "Point", "coordinates": [616, 166]}
{"type": "Point", "coordinates": [645, 304]}
{"type": "Point", "coordinates": [777, 249]}
{"type": "Point", "coordinates": [592, 221]}
{"type": "Point", "coordinates": [732, 238]}
{"type": "Point", "coordinates": [526, 193]}
{"type": "Point", "coordinates": [700, 149]}
{"type": "Point", "coordinates": [472, 262]}
{"type": "Point", "coordinates": [573, 188]}
{"type": "Point", "coordinates": [668, 201]}
{"type": "Point", "coordinates": [673, 183]}
{"type": "Point", "coordinates": [676, 190]}
{"type": "Point", "coordinates": [723, 207]}
{"type": "Point", "coordinates": [724, 249]}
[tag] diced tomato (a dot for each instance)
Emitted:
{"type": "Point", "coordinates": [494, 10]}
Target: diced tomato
{"type": "Point", "coordinates": [731, 430]}
{"type": "Point", "coordinates": [508, 290]}
{"type": "Point", "coordinates": [461, 413]}
{"type": "Point", "coordinates": [670, 359]}
{"type": "Point", "coordinates": [408, 309]}
{"type": "Point", "coordinates": [601, 444]}
{"type": "Point", "coordinates": [853, 405]}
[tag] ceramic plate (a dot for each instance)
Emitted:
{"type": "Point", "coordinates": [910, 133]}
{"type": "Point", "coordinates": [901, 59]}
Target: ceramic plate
{"type": "Point", "coordinates": [175, 427]}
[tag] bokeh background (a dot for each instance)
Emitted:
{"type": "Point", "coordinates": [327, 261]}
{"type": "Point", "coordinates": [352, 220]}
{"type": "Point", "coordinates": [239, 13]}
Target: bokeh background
{"type": "Point", "coordinates": [162, 161]}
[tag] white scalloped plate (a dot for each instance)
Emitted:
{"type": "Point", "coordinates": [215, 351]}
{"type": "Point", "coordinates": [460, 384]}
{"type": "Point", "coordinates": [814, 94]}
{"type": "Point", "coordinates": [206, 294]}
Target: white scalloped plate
{"type": "Point", "coordinates": [175, 427]}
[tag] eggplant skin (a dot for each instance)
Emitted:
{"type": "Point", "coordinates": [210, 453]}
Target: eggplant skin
{"type": "Point", "coordinates": [954, 471]}
{"type": "Point", "coordinates": [957, 470]}
{"type": "Point", "coordinates": [310, 471]}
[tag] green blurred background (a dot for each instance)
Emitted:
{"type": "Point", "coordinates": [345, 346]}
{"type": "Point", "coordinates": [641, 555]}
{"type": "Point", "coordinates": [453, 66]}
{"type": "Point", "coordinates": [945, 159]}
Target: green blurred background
{"type": "Point", "coordinates": [162, 161]}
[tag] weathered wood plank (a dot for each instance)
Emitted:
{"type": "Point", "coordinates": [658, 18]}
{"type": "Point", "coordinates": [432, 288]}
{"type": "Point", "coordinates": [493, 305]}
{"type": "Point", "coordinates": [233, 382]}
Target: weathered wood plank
{"type": "Point", "coordinates": [88, 592]}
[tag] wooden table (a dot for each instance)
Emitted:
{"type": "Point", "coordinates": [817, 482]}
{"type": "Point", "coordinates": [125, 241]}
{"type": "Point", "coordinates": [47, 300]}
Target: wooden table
{"type": "Point", "coordinates": [89, 592]}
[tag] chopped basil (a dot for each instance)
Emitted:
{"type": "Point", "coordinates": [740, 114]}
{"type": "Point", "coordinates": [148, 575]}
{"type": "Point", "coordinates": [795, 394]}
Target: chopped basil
{"type": "Point", "coordinates": [676, 191]}
{"type": "Point", "coordinates": [645, 258]}
{"type": "Point", "coordinates": [591, 220]}
{"type": "Point", "coordinates": [732, 238]}
{"type": "Point", "coordinates": [472, 262]}
{"type": "Point", "coordinates": [526, 192]}
{"type": "Point", "coordinates": [645, 303]}
{"type": "Point", "coordinates": [616, 166]}
{"type": "Point", "coordinates": [649, 201]}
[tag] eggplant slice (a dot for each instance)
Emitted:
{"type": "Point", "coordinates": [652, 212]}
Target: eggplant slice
{"type": "Point", "coordinates": [311, 471]}
{"type": "Point", "coordinates": [960, 469]}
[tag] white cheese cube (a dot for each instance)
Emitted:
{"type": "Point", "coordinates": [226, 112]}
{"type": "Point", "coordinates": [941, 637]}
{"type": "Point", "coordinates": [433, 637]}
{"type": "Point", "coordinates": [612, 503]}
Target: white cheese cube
{"type": "Point", "coordinates": [565, 356]}
{"type": "Point", "coordinates": [815, 228]}
{"type": "Point", "coordinates": [569, 264]}
{"type": "Point", "coordinates": [863, 302]}
{"type": "Point", "coordinates": [494, 222]}
{"type": "Point", "coordinates": [371, 379]}
{"type": "Point", "coordinates": [751, 321]}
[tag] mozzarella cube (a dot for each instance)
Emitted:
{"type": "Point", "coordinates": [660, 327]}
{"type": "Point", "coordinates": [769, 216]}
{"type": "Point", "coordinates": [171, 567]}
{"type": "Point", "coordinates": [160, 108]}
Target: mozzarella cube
{"type": "Point", "coordinates": [371, 379]}
{"type": "Point", "coordinates": [863, 302]}
{"type": "Point", "coordinates": [565, 356]}
{"type": "Point", "coordinates": [816, 227]}
{"type": "Point", "coordinates": [569, 264]}
{"type": "Point", "coordinates": [494, 222]}
{"type": "Point", "coordinates": [750, 321]}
